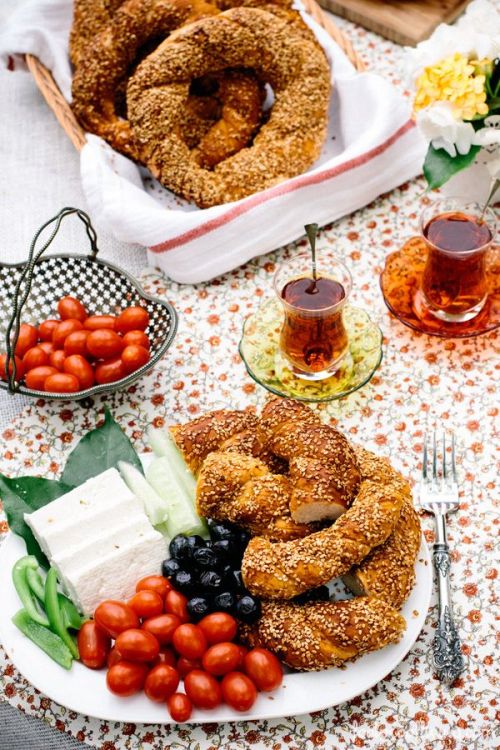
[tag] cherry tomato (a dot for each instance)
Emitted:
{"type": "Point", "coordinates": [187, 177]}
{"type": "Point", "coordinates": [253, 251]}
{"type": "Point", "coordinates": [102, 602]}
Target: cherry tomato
{"type": "Point", "coordinates": [98, 322]}
{"type": "Point", "coordinates": [70, 307]}
{"type": "Point", "coordinates": [162, 627]}
{"type": "Point", "coordinates": [238, 691]}
{"type": "Point", "coordinates": [263, 668]}
{"type": "Point", "coordinates": [3, 367]}
{"type": "Point", "coordinates": [46, 329]}
{"type": "Point", "coordinates": [185, 666]}
{"type": "Point", "coordinates": [166, 656]}
{"type": "Point", "coordinates": [76, 343]}
{"type": "Point", "coordinates": [36, 378]}
{"type": "Point", "coordinates": [146, 604]}
{"type": "Point", "coordinates": [132, 319]}
{"type": "Point", "coordinates": [189, 641]}
{"type": "Point", "coordinates": [154, 583]}
{"type": "Point", "coordinates": [221, 658]}
{"type": "Point", "coordinates": [104, 344]}
{"type": "Point", "coordinates": [35, 357]}
{"type": "Point", "coordinates": [114, 617]}
{"type": "Point", "coordinates": [56, 359]}
{"type": "Point", "coordinates": [161, 682]}
{"type": "Point", "coordinates": [114, 657]}
{"type": "Point", "coordinates": [179, 707]}
{"type": "Point", "coordinates": [203, 689]}
{"type": "Point", "coordinates": [218, 627]}
{"type": "Point", "coordinates": [78, 366]}
{"type": "Point", "coordinates": [126, 678]}
{"type": "Point", "coordinates": [243, 651]}
{"type": "Point", "coordinates": [176, 604]}
{"type": "Point", "coordinates": [137, 645]}
{"type": "Point", "coordinates": [109, 371]}
{"type": "Point", "coordinates": [47, 346]}
{"type": "Point", "coordinates": [63, 330]}
{"type": "Point", "coordinates": [138, 338]}
{"type": "Point", "coordinates": [93, 644]}
{"type": "Point", "coordinates": [134, 357]}
{"type": "Point", "coordinates": [61, 382]}
{"type": "Point", "coordinates": [28, 336]}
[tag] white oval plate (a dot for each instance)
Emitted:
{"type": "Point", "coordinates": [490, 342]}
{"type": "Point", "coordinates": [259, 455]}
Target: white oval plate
{"type": "Point", "coordinates": [84, 690]}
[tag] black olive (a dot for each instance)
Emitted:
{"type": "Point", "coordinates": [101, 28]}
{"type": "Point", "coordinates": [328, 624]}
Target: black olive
{"type": "Point", "coordinates": [169, 567]}
{"type": "Point", "coordinates": [319, 594]}
{"type": "Point", "coordinates": [220, 531]}
{"type": "Point", "coordinates": [238, 581]}
{"type": "Point", "coordinates": [195, 541]}
{"type": "Point", "coordinates": [179, 548]}
{"type": "Point", "coordinates": [184, 581]}
{"type": "Point", "coordinates": [224, 549]}
{"type": "Point", "coordinates": [210, 580]}
{"type": "Point", "coordinates": [199, 606]}
{"type": "Point", "coordinates": [243, 537]}
{"type": "Point", "coordinates": [225, 602]}
{"type": "Point", "coordinates": [248, 609]}
{"type": "Point", "coordinates": [205, 557]}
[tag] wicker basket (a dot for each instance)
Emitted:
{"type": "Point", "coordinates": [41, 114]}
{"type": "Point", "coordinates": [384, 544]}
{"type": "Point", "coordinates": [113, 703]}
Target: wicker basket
{"type": "Point", "coordinates": [76, 134]}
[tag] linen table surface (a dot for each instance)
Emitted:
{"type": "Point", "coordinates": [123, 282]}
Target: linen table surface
{"type": "Point", "coordinates": [423, 381]}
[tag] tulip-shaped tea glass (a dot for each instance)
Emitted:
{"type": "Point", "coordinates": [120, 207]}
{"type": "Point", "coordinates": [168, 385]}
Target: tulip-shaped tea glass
{"type": "Point", "coordinates": [458, 236]}
{"type": "Point", "coordinates": [313, 336]}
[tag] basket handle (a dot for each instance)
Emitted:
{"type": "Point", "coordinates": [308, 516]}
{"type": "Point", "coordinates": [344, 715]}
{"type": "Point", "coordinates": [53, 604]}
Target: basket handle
{"type": "Point", "coordinates": [21, 294]}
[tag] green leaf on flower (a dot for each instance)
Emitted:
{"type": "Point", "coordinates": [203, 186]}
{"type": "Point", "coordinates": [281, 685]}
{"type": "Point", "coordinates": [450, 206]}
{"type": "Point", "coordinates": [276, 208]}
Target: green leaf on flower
{"type": "Point", "coordinates": [439, 166]}
{"type": "Point", "coordinates": [22, 495]}
{"type": "Point", "coordinates": [98, 450]}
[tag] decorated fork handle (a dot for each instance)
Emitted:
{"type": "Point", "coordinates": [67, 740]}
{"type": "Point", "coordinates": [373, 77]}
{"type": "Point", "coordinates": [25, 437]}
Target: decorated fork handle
{"type": "Point", "coordinates": [447, 648]}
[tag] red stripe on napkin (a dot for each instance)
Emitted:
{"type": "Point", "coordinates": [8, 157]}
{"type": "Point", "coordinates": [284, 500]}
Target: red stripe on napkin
{"type": "Point", "coordinates": [303, 181]}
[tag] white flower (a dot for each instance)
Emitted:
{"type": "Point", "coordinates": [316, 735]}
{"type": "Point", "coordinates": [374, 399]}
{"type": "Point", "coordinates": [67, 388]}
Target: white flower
{"type": "Point", "coordinates": [439, 126]}
{"type": "Point", "coordinates": [476, 34]}
{"type": "Point", "coordinates": [482, 20]}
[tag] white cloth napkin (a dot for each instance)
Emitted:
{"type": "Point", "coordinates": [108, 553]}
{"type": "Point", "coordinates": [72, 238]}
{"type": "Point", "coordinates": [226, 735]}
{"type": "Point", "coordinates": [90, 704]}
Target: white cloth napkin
{"type": "Point", "coordinates": [371, 148]}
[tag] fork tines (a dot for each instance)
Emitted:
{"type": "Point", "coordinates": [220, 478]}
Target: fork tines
{"type": "Point", "coordinates": [447, 471]}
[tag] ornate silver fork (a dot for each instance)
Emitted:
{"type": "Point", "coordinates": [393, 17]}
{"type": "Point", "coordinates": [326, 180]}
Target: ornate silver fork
{"type": "Point", "coordinates": [439, 495]}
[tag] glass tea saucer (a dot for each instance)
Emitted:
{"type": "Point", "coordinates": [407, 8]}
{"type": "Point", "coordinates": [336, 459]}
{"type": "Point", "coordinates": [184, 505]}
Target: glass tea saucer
{"type": "Point", "coordinates": [401, 282]}
{"type": "Point", "coordinates": [259, 350]}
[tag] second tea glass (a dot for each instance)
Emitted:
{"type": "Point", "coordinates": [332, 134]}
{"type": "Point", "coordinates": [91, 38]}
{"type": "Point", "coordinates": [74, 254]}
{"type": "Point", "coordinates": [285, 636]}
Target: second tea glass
{"type": "Point", "coordinates": [454, 284]}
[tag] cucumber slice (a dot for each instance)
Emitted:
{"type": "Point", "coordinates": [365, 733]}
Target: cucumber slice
{"type": "Point", "coordinates": [155, 507]}
{"type": "Point", "coordinates": [182, 517]}
{"type": "Point", "coordinates": [164, 445]}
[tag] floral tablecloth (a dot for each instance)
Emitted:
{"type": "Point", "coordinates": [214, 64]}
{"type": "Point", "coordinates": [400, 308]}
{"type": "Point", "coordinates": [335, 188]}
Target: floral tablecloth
{"type": "Point", "coordinates": [422, 382]}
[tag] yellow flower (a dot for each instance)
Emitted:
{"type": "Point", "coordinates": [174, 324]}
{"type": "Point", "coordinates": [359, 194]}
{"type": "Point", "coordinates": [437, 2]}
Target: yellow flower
{"type": "Point", "coordinates": [454, 80]}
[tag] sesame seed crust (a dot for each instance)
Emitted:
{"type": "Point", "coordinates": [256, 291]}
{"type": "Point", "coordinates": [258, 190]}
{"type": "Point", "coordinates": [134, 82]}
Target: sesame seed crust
{"type": "Point", "coordinates": [283, 53]}
{"type": "Point", "coordinates": [324, 634]}
{"type": "Point", "coordinates": [208, 433]}
{"type": "Point", "coordinates": [89, 18]}
{"type": "Point", "coordinates": [240, 488]}
{"type": "Point", "coordinates": [388, 572]}
{"type": "Point", "coordinates": [284, 570]}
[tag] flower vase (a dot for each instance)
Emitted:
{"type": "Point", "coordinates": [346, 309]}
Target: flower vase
{"type": "Point", "coordinates": [474, 183]}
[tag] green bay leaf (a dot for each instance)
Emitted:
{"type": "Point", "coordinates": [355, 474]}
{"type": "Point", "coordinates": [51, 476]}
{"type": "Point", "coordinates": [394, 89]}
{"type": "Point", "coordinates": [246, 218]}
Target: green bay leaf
{"type": "Point", "coordinates": [98, 450]}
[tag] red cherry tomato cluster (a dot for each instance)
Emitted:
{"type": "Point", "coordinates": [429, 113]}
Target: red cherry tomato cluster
{"type": "Point", "coordinates": [156, 647]}
{"type": "Point", "coordinates": [77, 350]}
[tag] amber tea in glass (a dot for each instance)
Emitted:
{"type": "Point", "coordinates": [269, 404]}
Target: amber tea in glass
{"type": "Point", "coordinates": [458, 237]}
{"type": "Point", "coordinates": [313, 337]}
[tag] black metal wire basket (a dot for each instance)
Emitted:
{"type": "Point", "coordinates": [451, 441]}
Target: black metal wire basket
{"type": "Point", "coordinates": [31, 290]}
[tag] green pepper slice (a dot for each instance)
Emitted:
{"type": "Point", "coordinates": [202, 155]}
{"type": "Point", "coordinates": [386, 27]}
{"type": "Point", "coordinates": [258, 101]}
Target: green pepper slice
{"type": "Point", "coordinates": [43, 638]}
{"type": "Point", "coordinates": [54, 612]}
{"type": "Point", "coordinates": [19, 578]}
{"type": "Point", "coordinates": [72, 618]}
